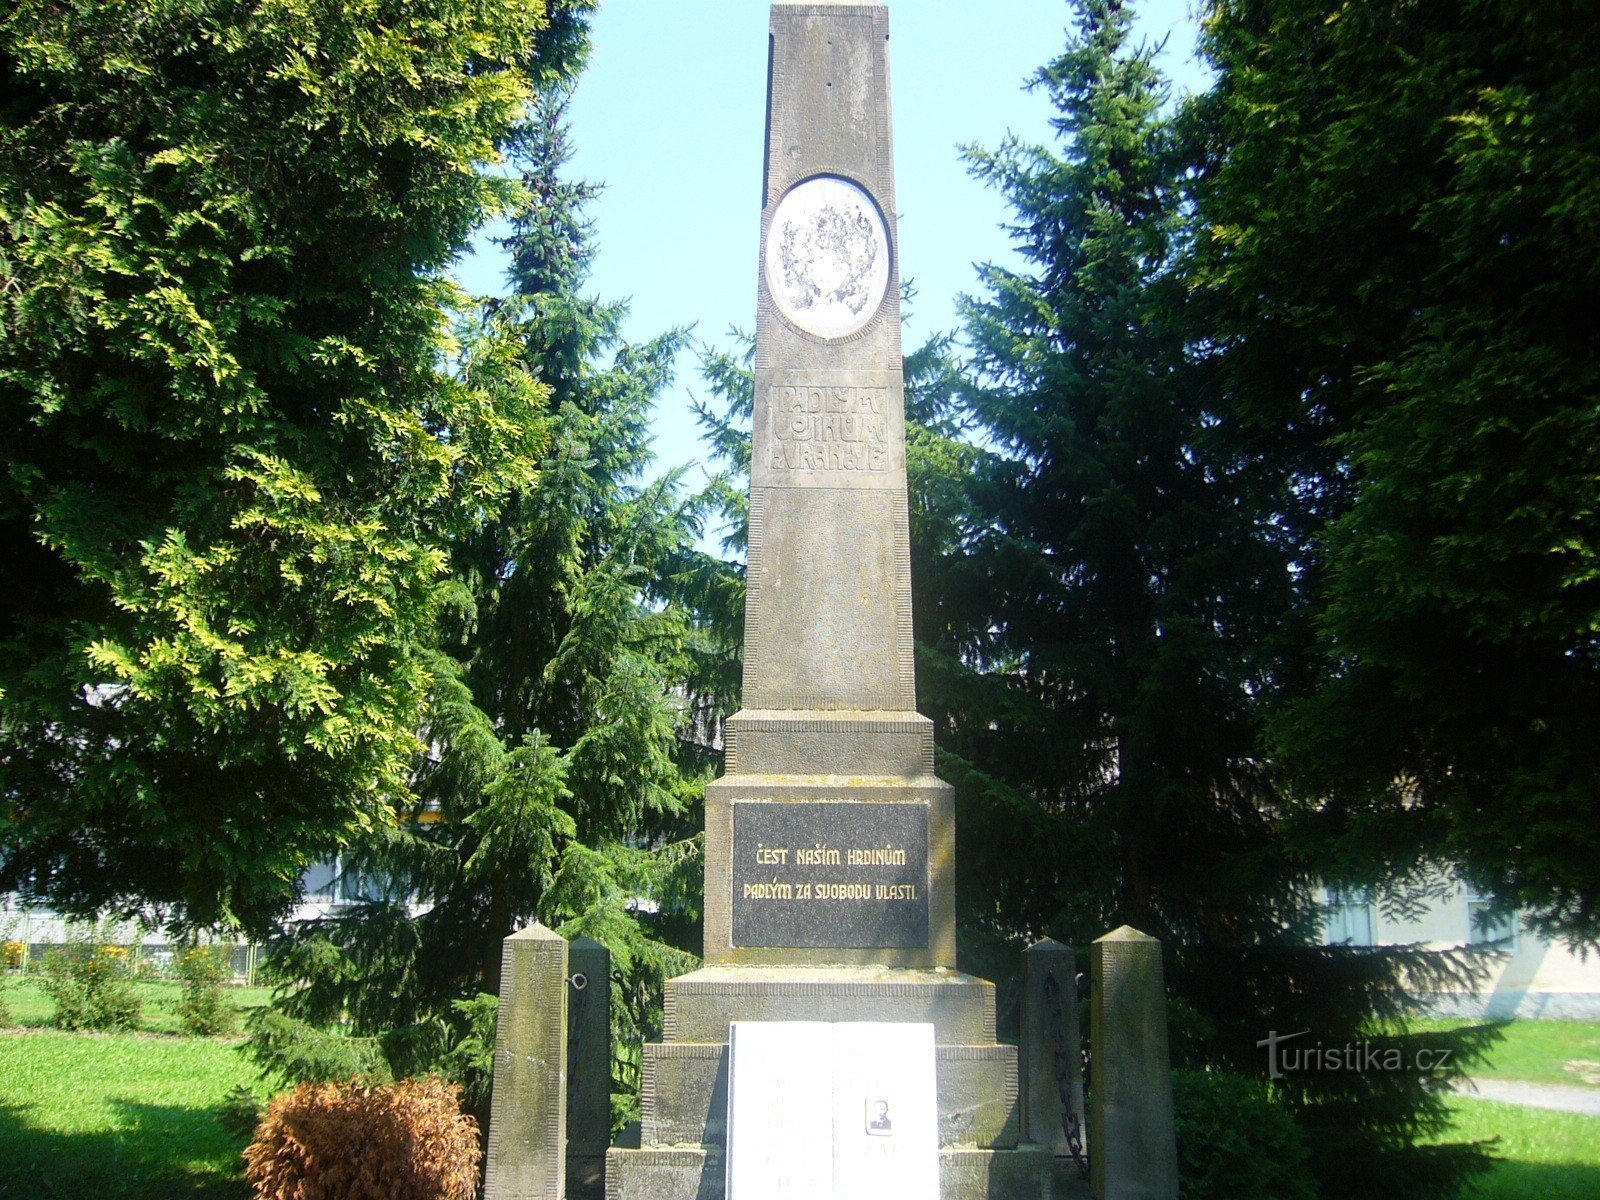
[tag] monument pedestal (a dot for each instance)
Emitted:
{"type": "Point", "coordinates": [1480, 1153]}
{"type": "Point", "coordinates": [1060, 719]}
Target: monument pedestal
{"type": "Point", "coordinates": [685, 1078]}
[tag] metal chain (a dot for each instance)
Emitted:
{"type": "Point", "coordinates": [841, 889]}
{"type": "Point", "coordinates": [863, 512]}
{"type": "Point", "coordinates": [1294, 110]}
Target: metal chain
{"type": "Point", "coordinates": [1071, 1127]}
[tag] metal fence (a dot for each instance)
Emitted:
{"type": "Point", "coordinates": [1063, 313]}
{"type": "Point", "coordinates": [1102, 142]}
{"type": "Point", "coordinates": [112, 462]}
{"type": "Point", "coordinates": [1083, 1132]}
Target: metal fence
{"type": "Point", "coordinates": [150, 960]}
{"type": "Point", "coordinates": [30, 937]}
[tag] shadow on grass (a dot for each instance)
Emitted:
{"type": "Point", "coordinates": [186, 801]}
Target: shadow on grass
{"type": "Point", "coordinates": [1510, 1179]}
{"type": "Point", "coordinates": [154, 1152]}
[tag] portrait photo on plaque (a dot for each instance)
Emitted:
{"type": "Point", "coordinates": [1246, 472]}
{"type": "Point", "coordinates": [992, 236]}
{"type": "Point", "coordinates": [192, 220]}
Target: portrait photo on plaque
{"type": "Point", "coordinates": [879, 1122]}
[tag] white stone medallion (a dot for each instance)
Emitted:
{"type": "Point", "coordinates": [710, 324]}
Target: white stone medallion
{"type": "Point", "coordinates": [827, 257]}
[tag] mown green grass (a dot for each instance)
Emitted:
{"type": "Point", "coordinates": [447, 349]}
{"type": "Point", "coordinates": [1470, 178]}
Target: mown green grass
{"type": "Point", "coordinates": [31, 1007]}
{"type": "Point", "coordinates": [101, 1116]}
{"type": "Point", "coordinates": [1543, 1155]}
{"type": "Point", "coordinates": [1566, 1052]}
{"type": "Point", "coordinates": [130, 1116]}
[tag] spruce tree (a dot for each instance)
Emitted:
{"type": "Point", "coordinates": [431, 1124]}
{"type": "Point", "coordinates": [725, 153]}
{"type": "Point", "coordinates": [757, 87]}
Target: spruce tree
{"type": "Point", "coordinates": [562, 779]}
{"type": "Point", "coordinates": [1112, 619]}
{"type": "Point", "coordinates": [1396, 208]}
{"type": "Point", "coordinates": [1139, 595]}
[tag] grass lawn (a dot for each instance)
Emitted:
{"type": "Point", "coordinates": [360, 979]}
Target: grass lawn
{"type": "Point", "coordinates": [134, 1116]}
{"type": "Point", "coordinates": [130, 1116]}
{"type": "Point", "coordinates": [1566, 1052]}
{"type": "Point", "coordinates": [31, 1007]}
{"type": "Point", "coordinates": [1544, 1155]}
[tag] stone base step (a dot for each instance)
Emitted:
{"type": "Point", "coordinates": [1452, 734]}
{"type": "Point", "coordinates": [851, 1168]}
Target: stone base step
{"type": "Point", "coordinates": [685, 1092]}
{"type": "Point", "coordinates": [696, 1173]}
{"type": "Point", "coordinates": [701, 1005]}
{"type": "Point", "coordinates": [852, 744]}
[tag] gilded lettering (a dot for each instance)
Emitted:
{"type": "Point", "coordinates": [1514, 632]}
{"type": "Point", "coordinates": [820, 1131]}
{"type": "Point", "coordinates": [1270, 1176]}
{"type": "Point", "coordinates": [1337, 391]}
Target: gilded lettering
{"type": "Point", "coordinates": [769, 891]}
{"type": "Point", "coordinates": [886, 856]}
{"type": "Point", "coordinates": [819, 855]}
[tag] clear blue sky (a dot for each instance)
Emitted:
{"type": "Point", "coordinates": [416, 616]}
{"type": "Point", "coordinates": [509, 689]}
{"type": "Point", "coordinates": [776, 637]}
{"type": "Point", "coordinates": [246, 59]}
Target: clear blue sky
{"type": "Point", "coordinates": [669, 118]}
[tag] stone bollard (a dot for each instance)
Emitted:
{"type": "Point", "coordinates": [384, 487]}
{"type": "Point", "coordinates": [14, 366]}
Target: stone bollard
{"type": "Point", "coordinates": [1133, 1150]}
{"type": "Point", "coordinates": [588, 1068]}
{"type": "Point", "coordinates": [528, 1104]}
{"type": "Point", "coordinates": [1050, 1056]}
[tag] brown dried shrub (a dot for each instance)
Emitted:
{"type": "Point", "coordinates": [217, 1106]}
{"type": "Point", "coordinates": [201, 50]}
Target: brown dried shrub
{"type": "Point", "coordinates": [346, 1141]}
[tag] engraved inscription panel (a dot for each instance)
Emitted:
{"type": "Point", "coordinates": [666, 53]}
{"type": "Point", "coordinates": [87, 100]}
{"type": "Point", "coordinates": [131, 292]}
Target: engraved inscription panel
{"type": "Point", "coordinates": [840, 428]}
{"type": "Point", "coordinates": [827, 257]}
{"type": "Point", "coordinates": [830, 429]}
{"type": "Point", "coordinates": [818, 874]}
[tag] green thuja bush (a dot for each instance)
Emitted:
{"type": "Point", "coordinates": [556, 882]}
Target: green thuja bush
{"type": "Point", "coordinates": [1235, 1142]}
{"type": "Point", "coordinates": [204, 1009]}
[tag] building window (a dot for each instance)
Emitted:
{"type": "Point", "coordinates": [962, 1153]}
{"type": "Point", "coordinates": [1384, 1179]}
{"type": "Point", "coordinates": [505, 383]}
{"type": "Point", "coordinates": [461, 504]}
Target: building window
{"type": "Point", "coordinates": [1488, 929]}
{"type": "Point", "coordinates": [1350, 917]}
{"type": "Point", "coordinates": [338, 882]}
{"type": "Point", "coordinates": [321, 880]}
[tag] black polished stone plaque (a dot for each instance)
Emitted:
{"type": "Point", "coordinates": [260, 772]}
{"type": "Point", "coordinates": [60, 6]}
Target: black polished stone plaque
{"type": "Point", "coordinates": [819, 874]}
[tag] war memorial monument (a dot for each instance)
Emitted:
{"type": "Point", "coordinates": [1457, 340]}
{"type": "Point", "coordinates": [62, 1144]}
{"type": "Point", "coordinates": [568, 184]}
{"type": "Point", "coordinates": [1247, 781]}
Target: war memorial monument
{"type": "Point", "coordinates": [828, 1049]}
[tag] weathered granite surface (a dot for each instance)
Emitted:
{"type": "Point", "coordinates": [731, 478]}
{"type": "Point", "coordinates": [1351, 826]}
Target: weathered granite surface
{"type": "Point", "coordinates": [1050, 1054]}
{"type": "Point", "coordinates": [1133, 1152]}
{"type": "Point", "coordinates": [528, 1104]}
{"type": "Point", "coordinates": [588, 1067]}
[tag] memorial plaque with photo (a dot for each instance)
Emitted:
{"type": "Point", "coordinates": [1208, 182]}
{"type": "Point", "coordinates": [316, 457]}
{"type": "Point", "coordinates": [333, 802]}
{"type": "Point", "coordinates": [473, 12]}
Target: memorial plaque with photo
{"type": "Point", "coordinates": [886, 1116]}
{"type": "Point", "coordinates": [819, 874]}
{"type": "Point", "coordinates": [842, 1111]}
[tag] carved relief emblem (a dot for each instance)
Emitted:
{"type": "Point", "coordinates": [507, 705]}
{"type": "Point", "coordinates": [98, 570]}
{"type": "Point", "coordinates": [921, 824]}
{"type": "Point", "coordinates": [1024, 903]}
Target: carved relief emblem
{"type": "Point", "coordinates": [827, 257]}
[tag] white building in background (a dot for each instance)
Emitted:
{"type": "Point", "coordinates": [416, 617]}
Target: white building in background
{"type": "Point", "coordinates": [1527, 975]}
{"type": "Point", "coordinates": [327, 887]}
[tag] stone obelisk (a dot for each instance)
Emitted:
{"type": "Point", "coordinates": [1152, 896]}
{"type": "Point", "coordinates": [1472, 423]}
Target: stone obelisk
{"type": "Point", "coordinates": [829, 841]}
{"type": "Point", "coordinates": [829, 756]}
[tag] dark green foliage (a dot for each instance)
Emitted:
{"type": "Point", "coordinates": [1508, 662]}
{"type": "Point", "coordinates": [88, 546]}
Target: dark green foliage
{"type": "Point", "coordinates": [240, 1112]}
{"type": "Point", "coordinates": [204, 1009]}
{"type": "Point", "coordinates": [470, 1056]}
{"type": "Point", "coordinates": [1397, 211]}
{"type": "Point", "coordinates": [1109, 602]}
{"type": "Point", "coordinates": [240, 424]}
{"type": "Point", "coordinates": [92, 987]}
{"type": "Point", "coordinates": [717, 585]}
{"type": "Point", "coordinates": [563, 779]}
{"type": "Point", "coordinates": [1234, 1143]}
{"type": "Point", "coordinates": [1114, 618]}
{"type": "Point", "coordinates": [291, 1051]}
{"type": "Point", "coordinates": [1363, 1127]}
